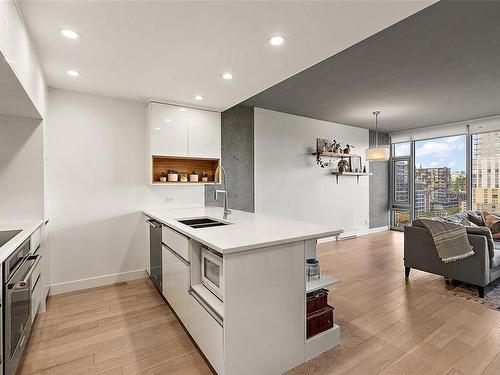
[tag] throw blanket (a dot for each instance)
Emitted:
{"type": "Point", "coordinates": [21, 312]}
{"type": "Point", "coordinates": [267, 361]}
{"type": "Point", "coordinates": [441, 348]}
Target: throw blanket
{"type": "Point", "coordinates": [450, 239]}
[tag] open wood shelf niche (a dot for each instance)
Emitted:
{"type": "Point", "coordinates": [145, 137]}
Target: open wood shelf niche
{"type": "Point", "coordinates": [183, 165]}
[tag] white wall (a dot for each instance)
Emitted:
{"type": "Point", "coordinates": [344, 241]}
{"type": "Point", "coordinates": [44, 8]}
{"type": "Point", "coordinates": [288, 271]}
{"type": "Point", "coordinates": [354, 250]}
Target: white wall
{"type": "Point", "coordinates": [97, 186]}
{"type": "Point", "coordinates": [21, 169]}
{"type": "Point", "coordinates": [289, 183]}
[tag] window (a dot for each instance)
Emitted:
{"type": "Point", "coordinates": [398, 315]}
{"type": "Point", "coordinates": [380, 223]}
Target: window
{"type": "Point", "coordinates": [485, 177]}
{"type": "Point", "coordinates": [401, 217]}
{"type": "Point", "coordinates": [440, 179]}
{"type": "Point", "coordinates": [401, 149]}
{"type": "Point", "coordinates": [401, 181]}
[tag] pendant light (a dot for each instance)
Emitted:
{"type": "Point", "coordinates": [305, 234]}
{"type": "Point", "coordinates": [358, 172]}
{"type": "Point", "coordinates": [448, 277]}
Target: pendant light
{"type": "Point", "coordinates": [377, 153]}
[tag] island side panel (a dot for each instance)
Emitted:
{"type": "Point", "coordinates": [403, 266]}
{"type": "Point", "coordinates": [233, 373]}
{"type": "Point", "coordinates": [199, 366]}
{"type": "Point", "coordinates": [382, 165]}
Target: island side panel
{"type": "Point", "coordinates": [264, 320]}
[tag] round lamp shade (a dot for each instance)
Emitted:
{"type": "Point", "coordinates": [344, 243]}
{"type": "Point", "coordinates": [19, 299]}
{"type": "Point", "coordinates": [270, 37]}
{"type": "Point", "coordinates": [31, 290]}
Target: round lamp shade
{"type": "Point", "coordinates": [379, 153]}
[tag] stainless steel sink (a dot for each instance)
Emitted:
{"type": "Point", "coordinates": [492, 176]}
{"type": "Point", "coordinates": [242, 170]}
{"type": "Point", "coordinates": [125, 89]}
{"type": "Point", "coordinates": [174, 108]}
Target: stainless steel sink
{"type": "Point", "coordinates": [202, 222]}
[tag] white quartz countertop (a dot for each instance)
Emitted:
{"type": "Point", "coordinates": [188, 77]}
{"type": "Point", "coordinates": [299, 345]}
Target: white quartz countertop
{"type": "Point", "coordinates": [246, 231]}
{"type": "Point", "coordinates": [27, 228]}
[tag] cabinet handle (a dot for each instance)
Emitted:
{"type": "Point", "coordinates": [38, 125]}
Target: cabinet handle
{"type": "Point", "coordinates": [153, 223]}
{"type": "Point", "coordinates": [203, 304]}
{"type": "Point", "coordinates": [176, 255]}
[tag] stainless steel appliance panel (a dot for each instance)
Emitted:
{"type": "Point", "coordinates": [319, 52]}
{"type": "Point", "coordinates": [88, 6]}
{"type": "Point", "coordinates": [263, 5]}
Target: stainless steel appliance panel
{"type": "Point", "coordinates": [17, 312]}
{"type": "Point", "coordinates": [155, 257]}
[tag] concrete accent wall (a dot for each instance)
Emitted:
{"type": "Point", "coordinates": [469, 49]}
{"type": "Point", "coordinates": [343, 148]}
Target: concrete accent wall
{"type": "Point", "coordinates": [379, 186]}
{"type": "Point", "coordinates": [237, 150]}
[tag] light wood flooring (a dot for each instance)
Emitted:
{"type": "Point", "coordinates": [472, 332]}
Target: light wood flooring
{"type": "Point", "coordinates": [389, 325]}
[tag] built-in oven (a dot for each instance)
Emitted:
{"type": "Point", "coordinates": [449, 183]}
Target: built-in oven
{"type": "Point", "coordinates": [17, 309]}
{"type": "Point", "coordinates": [212, 269]}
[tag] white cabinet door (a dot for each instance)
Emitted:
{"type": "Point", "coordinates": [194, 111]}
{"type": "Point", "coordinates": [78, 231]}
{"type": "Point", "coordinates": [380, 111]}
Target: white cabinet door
{"type": "Point", "coordinates": [204, 134]}
{"type": "Point", "coordinates": [168, 130]}
{"type": "Point", "coordinates": [207, 333]}
{"type": "Point", "coordinates": [176, 282]}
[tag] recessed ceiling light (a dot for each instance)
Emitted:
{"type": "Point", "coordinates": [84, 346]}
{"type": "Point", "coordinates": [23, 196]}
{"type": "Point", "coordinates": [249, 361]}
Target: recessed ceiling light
{"type": "Point", "coordinates": [167, 120]}
{"type": "Point", "coordinates": [198, 97]}
{"type": "Point", "coordinates": [70, 34]}
{"type": "Point", "coordinates": [157, 128]}
{"type": "Point", "coordinates": [72, 73]}
{"type": "Point", "coordinates": [227, 76]}
{"type": "Point", "coordinates": [277, 40]}
{"type": "Point", "coordinates": [182, 109]}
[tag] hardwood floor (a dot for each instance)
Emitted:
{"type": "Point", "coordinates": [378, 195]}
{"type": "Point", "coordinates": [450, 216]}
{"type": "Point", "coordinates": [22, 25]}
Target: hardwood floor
{"type": "Point", "coordinates": [389, 325]}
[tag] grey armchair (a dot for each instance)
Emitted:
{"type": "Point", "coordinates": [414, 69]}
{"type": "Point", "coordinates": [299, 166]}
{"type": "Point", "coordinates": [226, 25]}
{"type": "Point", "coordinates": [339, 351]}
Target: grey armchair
{"type": "Point", "coordinates": [479, 269]}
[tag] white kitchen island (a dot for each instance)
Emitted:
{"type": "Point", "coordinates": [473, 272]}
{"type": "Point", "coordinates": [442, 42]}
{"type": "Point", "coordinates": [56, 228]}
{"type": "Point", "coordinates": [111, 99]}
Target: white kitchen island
{"type": "Point", "coordinates": [259, 326]}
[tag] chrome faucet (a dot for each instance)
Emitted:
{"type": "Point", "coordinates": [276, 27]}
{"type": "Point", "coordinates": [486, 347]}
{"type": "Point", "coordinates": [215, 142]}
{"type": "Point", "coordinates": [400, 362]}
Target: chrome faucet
{"type": "Point", "coordinates": [227, 211]}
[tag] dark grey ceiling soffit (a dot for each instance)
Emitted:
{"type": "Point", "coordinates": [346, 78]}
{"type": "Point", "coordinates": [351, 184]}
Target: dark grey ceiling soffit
{"type": "Point", "coordinates": [438, 66]}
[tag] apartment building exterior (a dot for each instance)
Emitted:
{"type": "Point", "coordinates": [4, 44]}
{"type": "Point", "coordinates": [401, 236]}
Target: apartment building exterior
{"type": "Point", "coordinates": [485, 171]}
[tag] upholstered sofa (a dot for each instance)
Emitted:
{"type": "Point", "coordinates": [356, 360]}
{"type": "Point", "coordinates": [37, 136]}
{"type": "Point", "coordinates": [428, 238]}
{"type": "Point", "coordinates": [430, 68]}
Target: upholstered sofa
{"type": "Point", "coordinates": [479, 269]}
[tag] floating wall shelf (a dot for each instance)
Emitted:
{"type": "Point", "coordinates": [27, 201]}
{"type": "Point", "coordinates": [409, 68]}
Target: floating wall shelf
{"type": "Point", "coordinates": [335, 155]}
{"type": "Point", "coordinates": [356, 174]}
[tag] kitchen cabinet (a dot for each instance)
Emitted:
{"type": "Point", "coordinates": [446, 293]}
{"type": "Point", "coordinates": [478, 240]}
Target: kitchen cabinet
{"type": "Point", "coordinates": [208, 334]}
{"type": "Point", "coordinates": [204, 134]}
{"type": "Point", "coordinates": [45, 268]}
{"type": "Point", "coordinates": [182, 139]}
{"type": "Point", "coordinates": [168, 130]}
{"type": "Point", "coordinates": [16, 48]}
{"type": "Point", "coordinates": [184, 132]}
{"type": "Point", "coordinates": [176, 282]}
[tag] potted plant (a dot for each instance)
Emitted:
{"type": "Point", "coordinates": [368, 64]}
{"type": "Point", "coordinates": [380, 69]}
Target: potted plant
{"type": "Point", "coordinates": [172, 176]}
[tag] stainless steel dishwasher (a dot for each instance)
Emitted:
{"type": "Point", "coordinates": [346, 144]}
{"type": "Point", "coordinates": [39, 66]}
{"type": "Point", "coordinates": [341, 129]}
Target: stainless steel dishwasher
{"type": "Point", "coordinates": [155, 258]}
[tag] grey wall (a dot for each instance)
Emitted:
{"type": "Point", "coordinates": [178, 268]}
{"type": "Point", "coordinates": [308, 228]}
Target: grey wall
{"type": "Point", "coordinates": [379, 186]}
{"type": "Point", "coordinates": [237, 133]}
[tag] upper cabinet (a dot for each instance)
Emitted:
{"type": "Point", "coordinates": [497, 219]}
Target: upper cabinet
{"type": "Point", "coordinates": [204, 134]}
{"type": "Point", "coordinates": [184, 132]}
{"type": "Point", "coordinates": [185, 140]}
{"type": "Point", "coordinates": [168, 130]}
{"type": "Point", "coordinates": [16, 48]}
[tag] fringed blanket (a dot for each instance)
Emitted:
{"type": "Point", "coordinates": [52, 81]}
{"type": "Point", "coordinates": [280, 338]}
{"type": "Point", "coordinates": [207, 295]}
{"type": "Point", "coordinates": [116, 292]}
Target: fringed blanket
{"type": "Point", "coordinates": [450, 239]}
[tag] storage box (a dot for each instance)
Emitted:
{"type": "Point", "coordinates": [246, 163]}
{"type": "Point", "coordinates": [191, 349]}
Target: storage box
{"type": "Point", "coordinates": [317, 300]}
{"type": "Point", "coordinates": [319, 321]}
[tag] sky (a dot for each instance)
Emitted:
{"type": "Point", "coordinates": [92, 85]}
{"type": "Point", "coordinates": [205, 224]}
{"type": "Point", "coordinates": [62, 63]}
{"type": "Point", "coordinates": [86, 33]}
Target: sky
{"type": "Point", "coordinates": [438, 152]}
{"type": "Point", "coordinates": [441, 152]}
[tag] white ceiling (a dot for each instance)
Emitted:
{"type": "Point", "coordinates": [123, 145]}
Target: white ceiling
{"type": "Point", "coordinates": [172, 51]}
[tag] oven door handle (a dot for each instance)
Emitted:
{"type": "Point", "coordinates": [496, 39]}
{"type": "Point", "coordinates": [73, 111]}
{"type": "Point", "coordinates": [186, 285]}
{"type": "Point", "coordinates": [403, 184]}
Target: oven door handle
{"type": "Point", "coordinates": [24, 284]}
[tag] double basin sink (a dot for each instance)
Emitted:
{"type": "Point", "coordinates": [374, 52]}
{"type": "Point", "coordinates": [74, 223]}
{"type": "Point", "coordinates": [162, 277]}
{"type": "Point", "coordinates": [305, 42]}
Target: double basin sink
{"type": "Point", "coordinates": [202, 222]}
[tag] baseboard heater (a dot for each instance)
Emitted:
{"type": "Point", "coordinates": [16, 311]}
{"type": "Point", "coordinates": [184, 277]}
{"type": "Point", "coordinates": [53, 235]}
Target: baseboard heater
{"type": "Point", "coordinates": [349, 237]}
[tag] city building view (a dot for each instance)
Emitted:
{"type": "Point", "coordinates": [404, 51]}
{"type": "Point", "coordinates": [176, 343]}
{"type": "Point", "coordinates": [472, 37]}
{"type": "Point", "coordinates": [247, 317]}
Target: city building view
{"type": "Point", "coordinates": [440, 180]}
{"type": "Point", "coordinates": [439, 191]}
{"type": "Point", "coordinates": [485, 171]}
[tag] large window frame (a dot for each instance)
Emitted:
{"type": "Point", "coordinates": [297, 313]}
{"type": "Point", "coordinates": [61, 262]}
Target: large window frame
{"type": "Point", "coordinates": [395, 205]}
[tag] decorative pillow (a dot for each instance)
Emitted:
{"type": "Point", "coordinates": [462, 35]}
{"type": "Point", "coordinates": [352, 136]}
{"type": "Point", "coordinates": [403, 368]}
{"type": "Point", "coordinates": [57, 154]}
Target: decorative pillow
{"type": "Point", "coordinates": [484, 231]}
{"type": "Point", "coordinates": [493, 222]}
{"type": "Point", "coordinates": [476, 218]}
{"type": "Point", "coordinates": [468, 223]}
{"type": "Point", "coordinates": [451, 219]}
